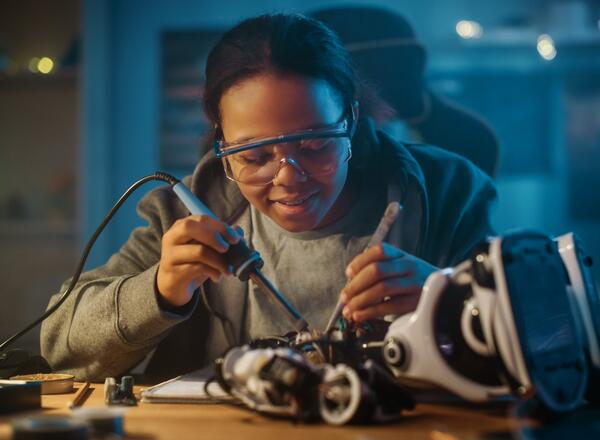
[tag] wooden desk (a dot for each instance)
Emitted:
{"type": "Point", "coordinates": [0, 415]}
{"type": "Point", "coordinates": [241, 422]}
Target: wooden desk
{"type": "Point", "coordinates": [211, 421]}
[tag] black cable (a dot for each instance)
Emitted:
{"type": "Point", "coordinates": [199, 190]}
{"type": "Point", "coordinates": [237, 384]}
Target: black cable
{"type": "Point", "coordinates": [228, 328]}
{"type": "Point", "coordinates": [157, 176]}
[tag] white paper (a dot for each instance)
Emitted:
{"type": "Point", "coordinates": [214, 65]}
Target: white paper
{"type": "Point", "coordinates": [188, 388]}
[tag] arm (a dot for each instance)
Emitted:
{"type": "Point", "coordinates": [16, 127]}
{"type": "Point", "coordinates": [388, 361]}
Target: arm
{"type": "Point", "coordinates": [113, 317]}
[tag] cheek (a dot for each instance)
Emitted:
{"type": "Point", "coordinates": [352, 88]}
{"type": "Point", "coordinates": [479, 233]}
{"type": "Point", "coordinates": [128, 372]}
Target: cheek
{"type": "Point", "coordinates": [334, 185]}
{"type": "Point", "coordinates": [254, 194]}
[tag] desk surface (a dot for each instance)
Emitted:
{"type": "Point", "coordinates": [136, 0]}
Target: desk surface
{"type": "Point", "coordinates": [217, 421]}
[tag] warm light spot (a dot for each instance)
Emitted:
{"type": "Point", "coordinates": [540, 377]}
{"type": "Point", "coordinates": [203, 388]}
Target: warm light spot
{"type": "Point", "coordinates": [45, 65]}
{"type": "Point", "coordinates": [469, 29]}
{"type": "Point", "coordinates": [545, 47]}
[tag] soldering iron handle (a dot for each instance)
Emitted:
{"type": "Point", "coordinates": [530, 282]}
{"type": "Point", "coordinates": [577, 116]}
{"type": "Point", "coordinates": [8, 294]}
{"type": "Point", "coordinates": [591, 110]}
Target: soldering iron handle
{"type": "Point", "coordinates": [191, 202]}
{"type": "Point", "coordinates": [243, 259]}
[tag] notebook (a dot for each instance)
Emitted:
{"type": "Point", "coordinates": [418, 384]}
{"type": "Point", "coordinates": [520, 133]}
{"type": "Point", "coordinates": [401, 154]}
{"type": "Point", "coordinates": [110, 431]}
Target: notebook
{"type": "Point", "coordinates": [188, 388]}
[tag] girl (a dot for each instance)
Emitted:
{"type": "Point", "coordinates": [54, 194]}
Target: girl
{"type": "Point", "coordinates": [305, 181]}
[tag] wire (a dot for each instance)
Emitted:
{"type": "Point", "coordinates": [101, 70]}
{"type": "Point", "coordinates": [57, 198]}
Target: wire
{"type": "Point", "coordinates": [227, 324]}
{"type": "Point", "coordinates": [157, 176]}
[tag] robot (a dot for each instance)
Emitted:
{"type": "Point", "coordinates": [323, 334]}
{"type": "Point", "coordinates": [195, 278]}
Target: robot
{"type": "Point", "coordinates": [518, 319]}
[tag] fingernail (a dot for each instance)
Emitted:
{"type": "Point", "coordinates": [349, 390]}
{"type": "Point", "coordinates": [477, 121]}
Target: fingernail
{"type": "Point", "coordinates": [344, 297]}
{"type": "Point", "coordinates": [349, 272]}
{"type": "Point", "coordinates": [346, 313]}
{"type": "Point", "coordinates": [233, 234]}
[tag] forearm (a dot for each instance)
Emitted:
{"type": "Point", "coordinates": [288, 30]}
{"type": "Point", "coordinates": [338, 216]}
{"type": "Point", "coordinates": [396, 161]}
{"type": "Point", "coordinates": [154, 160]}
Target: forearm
{"type": "Point", "coordinates": [107, 325]}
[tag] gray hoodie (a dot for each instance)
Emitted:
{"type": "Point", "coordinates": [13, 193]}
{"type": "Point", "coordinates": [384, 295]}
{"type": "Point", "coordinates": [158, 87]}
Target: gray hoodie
{"type": "Point", "coordinates": [114, 318]}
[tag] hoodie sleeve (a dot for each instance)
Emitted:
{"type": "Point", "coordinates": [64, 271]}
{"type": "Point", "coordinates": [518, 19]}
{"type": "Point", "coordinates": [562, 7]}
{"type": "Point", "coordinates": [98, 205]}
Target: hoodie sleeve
{"type": "Point", "coordinates": [113, 317]}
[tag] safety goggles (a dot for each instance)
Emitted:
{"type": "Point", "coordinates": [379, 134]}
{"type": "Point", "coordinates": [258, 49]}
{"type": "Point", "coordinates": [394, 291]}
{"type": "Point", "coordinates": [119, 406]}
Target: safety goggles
{"type": "Point", "coordinates": [312, 152]}
{"type": "Point", "coordinates": [337, 130]}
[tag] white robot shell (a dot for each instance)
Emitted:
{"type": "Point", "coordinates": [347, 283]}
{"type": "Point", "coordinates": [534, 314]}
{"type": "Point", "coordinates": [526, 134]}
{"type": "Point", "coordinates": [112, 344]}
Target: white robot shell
{"type": "Point", "coordinates": [420, 361]}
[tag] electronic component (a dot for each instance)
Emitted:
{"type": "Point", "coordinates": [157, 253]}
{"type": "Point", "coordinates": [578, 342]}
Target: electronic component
{"type": "Point", "coordinates": [119, 393]}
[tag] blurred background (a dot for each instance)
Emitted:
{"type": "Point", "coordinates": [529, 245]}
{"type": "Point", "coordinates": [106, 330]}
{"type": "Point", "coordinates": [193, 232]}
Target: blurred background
{"type": "Point", "coordinates": [97, 93]}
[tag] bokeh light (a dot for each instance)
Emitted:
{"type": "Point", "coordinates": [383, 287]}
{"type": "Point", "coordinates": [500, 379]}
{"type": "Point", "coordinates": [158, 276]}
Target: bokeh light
{"type": "Point", "coordinates": [545, 47]}
{"type": "Point", "coordinates": [468, 29]}
{"type": "Point", "coordinates": [45, 65]}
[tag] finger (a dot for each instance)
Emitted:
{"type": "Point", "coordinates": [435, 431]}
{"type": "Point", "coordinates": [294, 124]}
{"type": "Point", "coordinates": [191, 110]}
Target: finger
{"type": "Point", "coordinates": [390, 287]}
{"type": "Point", "coordinates": [239, 230]}
{"type": "Point", "coordinates": [188, 273]}
{"type": "Point", "coordinates": [398, 305]}
{"type": "Point", "coordinates": [376, 272]}
{"type": "Point", "coordinates": [197, 253]}
{"type": "Point", "coordinates": [382, 251]}
{"type": "Point", "coordinates": [227, 232]}
{"type": "Point", "coordinates": [206, 230]}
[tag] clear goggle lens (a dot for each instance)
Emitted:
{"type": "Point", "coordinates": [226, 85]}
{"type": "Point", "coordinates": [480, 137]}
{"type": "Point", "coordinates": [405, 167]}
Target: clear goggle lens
{"type": "Point", "coordinates": [312, 157]}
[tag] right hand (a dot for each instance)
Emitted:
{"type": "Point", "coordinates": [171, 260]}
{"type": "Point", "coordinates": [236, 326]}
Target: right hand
{"type": "Point", "coordinates": [191, 252]}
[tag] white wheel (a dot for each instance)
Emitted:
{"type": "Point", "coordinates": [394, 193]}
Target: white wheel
{"type": "Point", "coordinates": [340, 395]}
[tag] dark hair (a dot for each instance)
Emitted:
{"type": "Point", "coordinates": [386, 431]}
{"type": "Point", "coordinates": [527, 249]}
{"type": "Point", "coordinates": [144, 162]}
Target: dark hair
{"type": "Point", "coordinates": [281, 44]}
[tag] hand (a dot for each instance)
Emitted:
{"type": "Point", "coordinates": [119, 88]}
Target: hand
{"type": "Point", "coordinates": [383, 280]}
{"type": "Point", "coordinates": [191, 252]}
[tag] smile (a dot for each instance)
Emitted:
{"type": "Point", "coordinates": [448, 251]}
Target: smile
{"type": "Point", "coordinates": [295, 201]}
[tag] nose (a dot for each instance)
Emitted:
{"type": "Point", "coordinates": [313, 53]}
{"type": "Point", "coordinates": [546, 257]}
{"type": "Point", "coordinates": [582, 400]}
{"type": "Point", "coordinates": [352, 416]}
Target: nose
{"type": "Point", "coordinates": [289, 173]}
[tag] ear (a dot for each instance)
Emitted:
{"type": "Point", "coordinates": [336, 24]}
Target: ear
{"type": "Point", "coordinates": [354, 111]}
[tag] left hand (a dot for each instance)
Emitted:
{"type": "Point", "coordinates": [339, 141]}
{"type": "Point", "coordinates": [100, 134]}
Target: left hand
{"type": "Point", "coordinates": [383, 271]}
